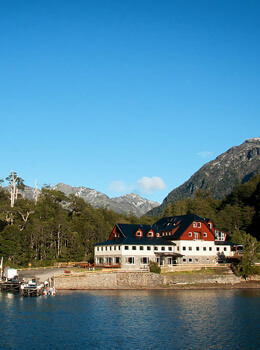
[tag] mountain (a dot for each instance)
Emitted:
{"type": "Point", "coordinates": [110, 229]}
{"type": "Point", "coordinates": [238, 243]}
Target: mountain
{"type": "Point", "coordinates": [219, 176]}
{"type": "Point", "coordinates": [129, 203]}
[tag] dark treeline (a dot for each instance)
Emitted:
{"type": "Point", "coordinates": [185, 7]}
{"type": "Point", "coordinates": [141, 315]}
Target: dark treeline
{"type": "Point", "coordinates": [60, 228]}
{"type": "Point", "coordinates": [56, 228]}
{"type": "Point", "coordinates": [238, 214]}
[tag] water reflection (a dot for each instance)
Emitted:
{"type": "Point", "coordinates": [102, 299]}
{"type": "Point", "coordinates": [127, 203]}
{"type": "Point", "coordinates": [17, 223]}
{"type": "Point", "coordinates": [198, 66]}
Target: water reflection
{"type": "Point", "coordinates": [208, 319]}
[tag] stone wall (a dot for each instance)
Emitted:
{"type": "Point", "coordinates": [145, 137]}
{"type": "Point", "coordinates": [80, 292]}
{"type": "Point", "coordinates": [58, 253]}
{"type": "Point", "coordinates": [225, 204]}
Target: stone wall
{"type": "Point", "coordinates": [136, 280]}
{"type": "Point", "coordinates": [200, 278]}
{"type": "Point", "coordinates": [112, 280]}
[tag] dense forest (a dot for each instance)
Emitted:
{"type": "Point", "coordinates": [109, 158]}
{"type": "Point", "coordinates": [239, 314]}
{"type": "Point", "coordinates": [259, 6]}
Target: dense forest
{"type": "Point", "coordinates": [59, 228]}
{"type": "Point", "coordinates": [238, 214]}
{"type": "Point", "coordinates": [55, 228]}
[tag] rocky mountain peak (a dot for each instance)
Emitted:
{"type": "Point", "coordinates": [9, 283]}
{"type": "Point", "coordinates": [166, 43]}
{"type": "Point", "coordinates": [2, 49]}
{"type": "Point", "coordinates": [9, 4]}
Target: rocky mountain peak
{"type": "Point", "coordinates": [219, 176]}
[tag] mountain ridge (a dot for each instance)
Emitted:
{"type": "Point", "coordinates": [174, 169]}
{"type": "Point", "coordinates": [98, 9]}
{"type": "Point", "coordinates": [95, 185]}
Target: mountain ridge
{"type": "Point", "coordinates": [219, 176]}
{"type": "Point", "coordinates": [131, 203]}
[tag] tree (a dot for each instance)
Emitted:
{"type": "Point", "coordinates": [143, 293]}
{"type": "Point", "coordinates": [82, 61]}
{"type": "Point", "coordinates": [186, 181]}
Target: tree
{"type": "Point", "coordinates": [250, 255]}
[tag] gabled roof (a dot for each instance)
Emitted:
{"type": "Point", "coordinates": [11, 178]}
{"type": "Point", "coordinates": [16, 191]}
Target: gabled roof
{"type": "Point", "coordinates": [182, 222]}
{"type": "Point", "coordinates": [129, 236]}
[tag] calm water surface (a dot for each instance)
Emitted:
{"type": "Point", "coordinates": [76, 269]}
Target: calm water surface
{"type": "Point", "coordinates": [215, 319]}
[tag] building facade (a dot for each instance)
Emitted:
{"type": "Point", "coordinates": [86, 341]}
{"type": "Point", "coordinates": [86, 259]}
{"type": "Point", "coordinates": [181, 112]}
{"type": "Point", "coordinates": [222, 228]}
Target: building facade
{"type": "Point", "coordinates": [186, 239]}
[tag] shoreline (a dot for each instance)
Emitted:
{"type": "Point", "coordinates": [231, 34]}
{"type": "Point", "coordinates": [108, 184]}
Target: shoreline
{"type": "Point", "coordinates": [247, 285]}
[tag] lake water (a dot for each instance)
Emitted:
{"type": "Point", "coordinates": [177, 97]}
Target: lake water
{"type": "Point", "coordinates": [207, 319]}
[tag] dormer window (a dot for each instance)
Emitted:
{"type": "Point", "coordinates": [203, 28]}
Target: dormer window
{"type": "Point", "coordinates": [139, 233]}
{"type": "Point", "coordinates": [199, 224]}
{"type": "Point", "coordinates": [157, 234]}
{"type": "Point", "coordinates": [150, 234]}
{"type": "Point", "coordinates": [209, 224]}
{"type": "Point", "coordinates": [194, 224]}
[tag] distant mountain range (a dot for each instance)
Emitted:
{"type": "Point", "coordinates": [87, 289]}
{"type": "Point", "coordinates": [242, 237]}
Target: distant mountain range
{"type": "Point", "coordinates": [219, 176]}
{"type": "Point", "coordinates": [127, 204]}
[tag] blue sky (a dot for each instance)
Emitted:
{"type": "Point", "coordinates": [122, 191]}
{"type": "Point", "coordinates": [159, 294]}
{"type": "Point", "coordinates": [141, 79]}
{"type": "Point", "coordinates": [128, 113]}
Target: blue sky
{"type": "Point", "coordinates": [125, 96]}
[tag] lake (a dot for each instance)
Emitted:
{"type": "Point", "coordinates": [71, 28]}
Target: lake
{"type": "Point", "coordinates": [165, 319]}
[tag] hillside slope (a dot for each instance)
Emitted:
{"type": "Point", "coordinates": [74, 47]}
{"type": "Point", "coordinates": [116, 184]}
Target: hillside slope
{"type": "Point", "coordinates": [219, 176]}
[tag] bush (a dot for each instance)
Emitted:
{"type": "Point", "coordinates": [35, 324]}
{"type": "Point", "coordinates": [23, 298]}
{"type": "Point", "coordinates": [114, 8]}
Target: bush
{"type": "Point", "coordinates": [154, 267]}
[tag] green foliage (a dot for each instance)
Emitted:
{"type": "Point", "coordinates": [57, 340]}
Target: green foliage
{"type": "Point", "coordinates": [57, 228]}
{"type": "Point", "coordinates": [250, 255]}
{"type": "Point", "coordinates": [236, 214]}
{"type": "Point", "coordinates": [154, 267]}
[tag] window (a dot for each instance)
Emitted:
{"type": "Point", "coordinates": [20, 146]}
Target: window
{"type": "Point", "coordinates": [155, 248]}
{"type": "Point", "coordinates": [119, 247]}
{"type": "Point", "coordinates": [134, 247]}
{"type": "Point", "coordinates": [205, 234]}
{"type": "Point", "coordinates": [114, 247]}
{"type": "Point", "coordinates": [141, 247]}
{"type": "Point", "coordinates": [178, 248]}
{"type": "Point", "coordinates": [184, 260]}
{"type": "Point", "coordinates": [106, 248]}
{"type": "Point", "coordinates": [131, 260]}
{"type": "Point", "coordinates": [157, 234]}
{"type": "Point", "coordinates": [145, 260]}
{"type": "Point", "coordinates": [190, 260]}
{"type": "Point", "coordinates": [217, 249]}
{"type": "Point", "coordinates": [210, 249]}
{"type": "Point", "coordinates": [199, 224]}
{"type": "Point", "coordinates": [194, 224]}
{"type": "Point", "coordinates": [183, 248]}
{"type": "Point", "coordinates": [225, 249]}
{"type": "Point", "coordinates": [170, 249]}
{"type": "Point", "coordinates": [117, 260]}
{"type": "Point", "coordinates": [207, 260]}
{"type": "Point", "coordinates": [126, 247]}
{"type": "Point", "coordinates": [190, 248]}
{"type": "Point", "coordinates": [163, 248]}
{"type": "Point", "coordinates": [190, 234]}
{"type": "Point", "coordinates": [209, 225]}
{"type": "Point", "coordinates": [197, 248]}
{"type": "Point", "coordinates": [150, 234]}
{"type": "Point", "coordinates": [139, 233]}
{"type": "Point", "coordinates": [196, 260]}
{"type": "Point", "coordinates": [148, 247]}
{"type": "Point", "coordinates": [102, 249]}
{"type": "Point", "coordinates": [204, 248]}
{"type": "Point", "coordinates": [110, 248]}
{"type": "Point", "coordinates": [98, 249]}
{"type": "Point", "coordinates": [195, 235]}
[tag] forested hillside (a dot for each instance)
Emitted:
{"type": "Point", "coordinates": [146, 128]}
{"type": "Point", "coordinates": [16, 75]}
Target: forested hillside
{"type": "Point", "coordinates": [61, 228]}
{"type": "Point", "coordinates": [219, 176]}
{"type": "Point", "coordinates": [56, 228]}
{"type": "Point", "coordinates": [237, 214]}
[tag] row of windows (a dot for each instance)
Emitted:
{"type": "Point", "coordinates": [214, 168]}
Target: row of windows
{"type": "Point", "coordinates": [204, 249]}
{"type": "Point", "coordinates": [131, 260]}
{"type": "Point", "coordinates": [196, 235]}
{"type": "Point", "coordinates": [198, 224]}
{"type": "Point", "coordinates": [148, 248]}
{"type": "Point", "coordinates": [108, 248]}
{"type": "Point", "coordinates": [190, 260]}
{"type": "Point", "coordinates": [220, 236]}
{"type": "Point", "coordinates": [134, 247]}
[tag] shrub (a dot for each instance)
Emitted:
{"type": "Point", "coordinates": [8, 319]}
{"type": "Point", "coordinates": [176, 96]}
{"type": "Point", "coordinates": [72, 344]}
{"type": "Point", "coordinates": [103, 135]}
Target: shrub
{"type": "Point", "coordinates": [154, 267]}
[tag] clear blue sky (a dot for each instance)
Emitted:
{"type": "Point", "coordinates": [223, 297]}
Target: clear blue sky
{"type": "Point", "coordinates": [121, 96]}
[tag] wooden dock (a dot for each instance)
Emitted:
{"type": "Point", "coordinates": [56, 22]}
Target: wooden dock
{"type": "Point", "coordinates": [27, 289]}
{"type": "Point", "coordinates": [10, 286]}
